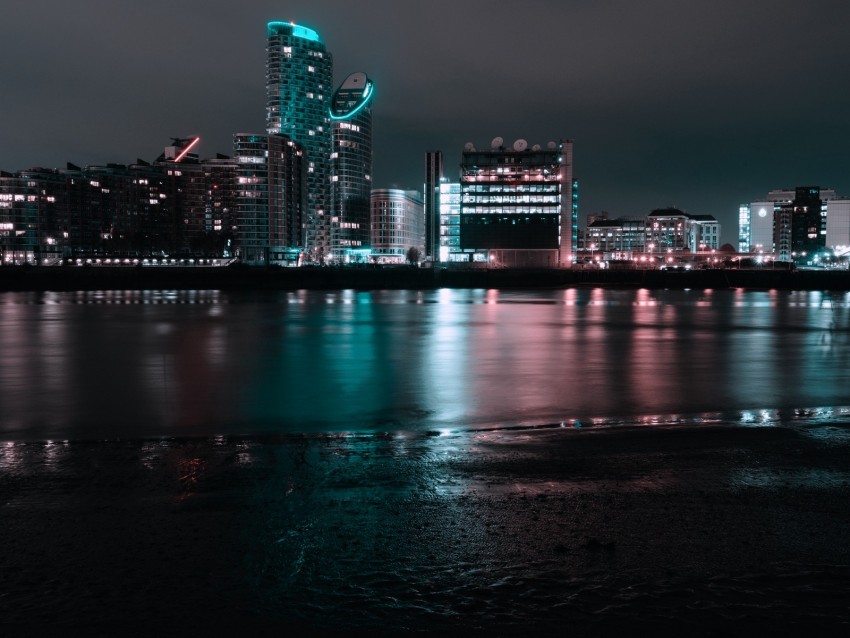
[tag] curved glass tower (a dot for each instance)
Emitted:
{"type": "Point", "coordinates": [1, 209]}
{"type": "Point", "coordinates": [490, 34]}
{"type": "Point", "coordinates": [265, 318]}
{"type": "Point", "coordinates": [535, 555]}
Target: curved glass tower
{"type": "Point", "coordinates": [351, 168]}
{"type": "Point", "coordinates": [299, 76]}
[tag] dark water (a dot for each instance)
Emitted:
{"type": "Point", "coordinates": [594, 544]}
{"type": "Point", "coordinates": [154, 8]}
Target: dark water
{"type": "Point", "coordinates": [127, 364]}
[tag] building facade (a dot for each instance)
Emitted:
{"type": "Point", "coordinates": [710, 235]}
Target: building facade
{"type": "Point", "coordinates": [299, 75]}
{"type": "Point", "coordinates": [519, 205]}
{"type": "Point", "coordinates": [619, 237]}
{"type": "Point", "coordinates": [794, 223]}
{"type": "Point", "coordinates": [431, 192]}
{"type": "Point", "coordinates": [449, 249]}
{"type": "Point", "coordinates": [272, 202]}
{"type": "Point", "coordinates": [398, 224]}
{"type": "Point", "coordinates": [838, 225]}
{"type": "Point", "coordinates": [703, 233]}
{"type": "Point", "coordinates": [351, 169]}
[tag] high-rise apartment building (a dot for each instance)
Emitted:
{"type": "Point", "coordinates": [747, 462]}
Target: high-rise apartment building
{"type": "Point", "coordinates": [433, 177]}
{"type": "Point", "coordinates": [204, 199]}
{"type": "Point", "coordinates": [299, 75]}
{"type": "Point", "coordinates": [272, 198]}
{"type": "Point", "coordinates": [519, 205]}
{"type": "Point", "coordinates": [351, 169]}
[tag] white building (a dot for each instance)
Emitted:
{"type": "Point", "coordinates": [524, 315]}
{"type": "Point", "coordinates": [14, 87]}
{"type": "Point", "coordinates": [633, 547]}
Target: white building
{"type": "Point", "coordinates": [398, 224]}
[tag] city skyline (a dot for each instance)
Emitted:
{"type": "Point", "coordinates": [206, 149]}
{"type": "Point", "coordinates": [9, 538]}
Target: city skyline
{"type": "Point", "coordinates": [698, 108]}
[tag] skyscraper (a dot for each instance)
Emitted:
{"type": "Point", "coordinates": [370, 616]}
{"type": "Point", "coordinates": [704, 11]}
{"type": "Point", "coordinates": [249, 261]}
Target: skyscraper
{"type": "Point", "coordinates": [433, 176]}
{"type": "Point", "coordinates": [351, 168]}
{"type": "Point", "coordinates": [299, 74]}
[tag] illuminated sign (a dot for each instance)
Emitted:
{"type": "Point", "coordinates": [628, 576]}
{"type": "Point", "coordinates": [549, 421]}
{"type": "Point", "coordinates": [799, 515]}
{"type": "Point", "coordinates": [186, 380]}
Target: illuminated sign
{"type": "Point", "coordinates": [186, 150]}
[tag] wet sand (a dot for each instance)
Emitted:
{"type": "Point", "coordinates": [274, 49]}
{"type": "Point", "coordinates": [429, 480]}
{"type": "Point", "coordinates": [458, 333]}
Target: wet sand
{"type": "Point", "coordinates": [708, 530]}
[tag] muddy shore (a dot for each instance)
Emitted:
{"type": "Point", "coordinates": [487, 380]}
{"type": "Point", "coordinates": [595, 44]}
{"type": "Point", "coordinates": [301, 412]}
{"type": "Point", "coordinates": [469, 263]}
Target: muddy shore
{"type": "Point", "coordinates": [708, 530]}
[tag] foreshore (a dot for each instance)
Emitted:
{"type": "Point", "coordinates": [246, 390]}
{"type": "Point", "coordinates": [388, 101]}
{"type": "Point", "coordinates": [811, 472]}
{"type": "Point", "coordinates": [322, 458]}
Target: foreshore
{"type": "Point", "coordinates": [238, 277]}
{"type": "Point", "coordinates": [710, 530]}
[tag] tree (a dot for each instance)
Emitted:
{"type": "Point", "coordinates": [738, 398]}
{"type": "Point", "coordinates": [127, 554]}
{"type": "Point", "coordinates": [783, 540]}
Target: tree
{"type": "Point", "coordinates": [413, 256]}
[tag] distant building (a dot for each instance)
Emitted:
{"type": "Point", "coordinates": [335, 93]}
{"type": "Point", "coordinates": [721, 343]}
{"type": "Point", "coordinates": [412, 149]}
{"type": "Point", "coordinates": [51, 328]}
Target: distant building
{"type": "Point", "coordinates": [519, 205]}
{"type": "Point", "coordinates": [449, 249]}
{"type": "Point", "coordinates": [621, 235]}
{"type": "Point", "coordinates": [205, 200]}
{"type": "Point", "coordinates": [351, 169]}
{"type": "Point", "coordinates": [666, 230]}
{"type": "Point", "coordinates": [433, 178]}
{"type": "Point", "coordinates": [398, 224]}
{"type": "Point", "coordinates": [299, 76]}
{"type": "Point", "coordinates": [672, 230]}
{"type": "Point", "coordinates": [32, 216]}
{"type": "Point", "coordinates": [795, 223]}
{"type": "Point", "coordinates": [272, 202]}
{"type": "Point", "coordinates": [703, 233]}
{"type": "Point", "coordinates": [838, 225]}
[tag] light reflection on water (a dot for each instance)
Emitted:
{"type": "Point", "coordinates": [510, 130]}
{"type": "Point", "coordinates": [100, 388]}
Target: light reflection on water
{"type": "Point", "coordinates": [114, 364]}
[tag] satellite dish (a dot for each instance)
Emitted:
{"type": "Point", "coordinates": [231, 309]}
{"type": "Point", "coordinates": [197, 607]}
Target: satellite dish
{"type": "Point", "coordinates": [551, 146]}
{"type": "Point", "coordinates": [520, 145]}
{"type": "Point", "coordinates": [536, 147]}
{"type": "Point", "coordinates": [496, 143]}
{"type": "Point", "coordinates": [469, 147]}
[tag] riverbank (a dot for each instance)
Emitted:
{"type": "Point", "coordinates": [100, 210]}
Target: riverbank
{"type": "Point", "coordinates": [708, 530]}
{"type": "Point", "coordinates": [237, 277]}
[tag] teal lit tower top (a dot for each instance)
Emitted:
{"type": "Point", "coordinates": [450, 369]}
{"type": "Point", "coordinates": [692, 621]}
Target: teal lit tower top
{"type": "Point", "coordinates": [299, 76]}
{"type": "Point", "coordinates": [351, 169]}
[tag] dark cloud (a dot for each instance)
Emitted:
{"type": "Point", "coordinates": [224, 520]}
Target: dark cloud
{"type": "Point", "coordinates": [695, 104]}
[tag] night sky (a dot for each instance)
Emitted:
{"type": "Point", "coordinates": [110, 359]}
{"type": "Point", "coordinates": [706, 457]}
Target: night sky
{"type": "Point", "coordinates": [698, 105]}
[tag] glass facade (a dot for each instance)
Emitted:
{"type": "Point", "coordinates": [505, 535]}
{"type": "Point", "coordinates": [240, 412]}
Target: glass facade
{"type": "Point", "coordinates": [519, 206]}
{"type": "Point", "coordinates": [299, 75]}
{"type": "Point", "coordinates": [433, 177]}
{"type": "Point", "coordinates": [351, 169]}
{"type": "Point", "coordinates": [744, 231]}
{"type": "Point", "coordinates": [450, 250]}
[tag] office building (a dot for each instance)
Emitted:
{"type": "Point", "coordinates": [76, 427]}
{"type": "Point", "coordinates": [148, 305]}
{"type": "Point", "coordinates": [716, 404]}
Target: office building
{"type": "Point", "coordinates": [519, 205]}
{"type": "Point", "coordinates": [793, 224]}
{"type": "Point", "coordinates": [398, 224]}
{"type": "Point", "coordinates": [299, 75]}
{"type": "Point", "coordinates": [703, 233]}
{"type": "Point", "coordinates": [351, 169]}
{"type": "Point", "coordinates": [449, 249]}
{"type": "Point", "coordinates": [670, 230]}
{"type": "Point", "coordinates": [838, 225]}
{"type": "Point", "coordinates": [431, 199]}
{"type": "Point", "coordinates": [619, 238]}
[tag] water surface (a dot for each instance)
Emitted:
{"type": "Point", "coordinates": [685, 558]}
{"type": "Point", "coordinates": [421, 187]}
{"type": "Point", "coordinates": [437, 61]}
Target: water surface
{"type": "Point", "coordinates": [119, 364]}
